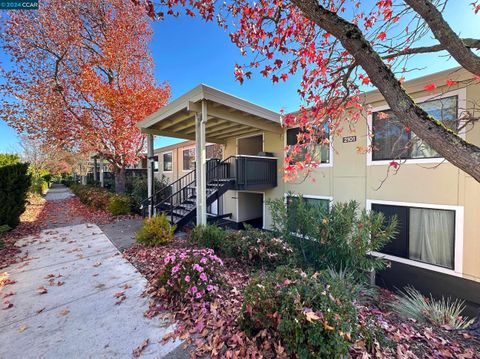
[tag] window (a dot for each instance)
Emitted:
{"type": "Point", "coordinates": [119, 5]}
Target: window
{"type": "Point", "coordinates": [392, 140]}
{"type": "Point", "coordinates": [319, 204]}
{"type": "Point", "coordinates": [319, 152]}
{"type": "Point", "coordinates": [189, 159]}
{"type": "Point", "coordinates": [423, 234]}
{"type": "Point", "coordinates": [213, 151]}
{"type": "Point", "coordinates": [167, 162]}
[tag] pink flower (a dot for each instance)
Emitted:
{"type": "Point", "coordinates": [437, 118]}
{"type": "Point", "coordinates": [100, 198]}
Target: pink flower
{"type": "Point", "coordinates": [199, 295]}
{"type": "Point", "coordinates": [210, 288]}
{"type": "Point", "coordinates": [175, 269]}
{"type": "Point", "coordinates": [203, 277]}
{"type": "Point", "coordinates": [194, 289]}
{"type": "Point", "coordinates": [197, 267]}
{"type": "Point", "coordinates": [187, 278]}
{"type": "Point", "coordinates": [203, 260]}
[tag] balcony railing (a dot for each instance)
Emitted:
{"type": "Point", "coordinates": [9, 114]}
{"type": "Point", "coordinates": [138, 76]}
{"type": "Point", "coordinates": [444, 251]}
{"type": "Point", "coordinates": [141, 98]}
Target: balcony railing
{"type": "Point", "coordinates": [253, 172]}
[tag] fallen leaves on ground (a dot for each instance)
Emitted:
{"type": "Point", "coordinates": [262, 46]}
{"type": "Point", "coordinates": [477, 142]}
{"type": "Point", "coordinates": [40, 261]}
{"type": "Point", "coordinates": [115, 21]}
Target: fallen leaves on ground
{"type": "Point", "coordinates": [42, 290]}
{"type": "Point", "coordinates": [138, 350]}
{"type": "Point", "coordinates": [211, 329]}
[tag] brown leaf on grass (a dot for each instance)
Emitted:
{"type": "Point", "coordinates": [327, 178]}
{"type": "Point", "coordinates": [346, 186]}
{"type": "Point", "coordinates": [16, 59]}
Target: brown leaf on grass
{"type": "Point", "coordinates": [42, 290]}
{"type": "Point", "coordinates": [138, 350]}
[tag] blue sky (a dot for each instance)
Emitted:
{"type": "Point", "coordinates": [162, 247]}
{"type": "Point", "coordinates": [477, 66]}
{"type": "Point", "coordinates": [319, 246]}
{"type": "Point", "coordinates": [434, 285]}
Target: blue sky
{"type": "Point", "coordinates": [188, 52]}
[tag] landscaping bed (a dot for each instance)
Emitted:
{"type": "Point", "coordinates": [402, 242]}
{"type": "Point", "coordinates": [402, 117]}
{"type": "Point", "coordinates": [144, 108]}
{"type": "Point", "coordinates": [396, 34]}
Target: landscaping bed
{"type": "Point", "coordinates": [255, 301]}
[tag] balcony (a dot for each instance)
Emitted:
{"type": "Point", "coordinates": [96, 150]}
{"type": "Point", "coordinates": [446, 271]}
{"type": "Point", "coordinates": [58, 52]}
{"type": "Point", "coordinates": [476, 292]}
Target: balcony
{"type": "Point", "coordinates": [248, 172]}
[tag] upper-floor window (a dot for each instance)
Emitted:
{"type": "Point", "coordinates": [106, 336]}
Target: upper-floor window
{"type": "Point", "coordinates": [167, 162]}
{"type": "Point", "coordinates": [392, 140]}
{"type": "Point", "coordinates": [319, 152]}
{"type": "Point", "coordinates": [423, 234]}
{"type": "Point", "coordinates": [188, 159]}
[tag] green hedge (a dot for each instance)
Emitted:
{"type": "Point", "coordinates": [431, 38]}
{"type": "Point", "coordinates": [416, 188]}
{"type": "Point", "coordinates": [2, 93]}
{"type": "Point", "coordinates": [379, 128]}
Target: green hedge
{"type": "Point", "coordinates": [14, 184]}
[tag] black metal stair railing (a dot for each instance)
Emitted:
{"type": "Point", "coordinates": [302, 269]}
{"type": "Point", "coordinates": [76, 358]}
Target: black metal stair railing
{"type": "Point", "coordinates": [217, 174]}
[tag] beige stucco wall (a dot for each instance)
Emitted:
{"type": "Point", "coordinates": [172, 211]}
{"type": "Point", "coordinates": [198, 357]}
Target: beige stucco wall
{"type": "Point", "coordinates": [442, 184]}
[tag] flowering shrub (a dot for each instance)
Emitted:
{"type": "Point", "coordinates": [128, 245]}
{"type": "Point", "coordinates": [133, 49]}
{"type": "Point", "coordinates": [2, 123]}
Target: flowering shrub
{"type": "Point", "coordinates": [191, 274]}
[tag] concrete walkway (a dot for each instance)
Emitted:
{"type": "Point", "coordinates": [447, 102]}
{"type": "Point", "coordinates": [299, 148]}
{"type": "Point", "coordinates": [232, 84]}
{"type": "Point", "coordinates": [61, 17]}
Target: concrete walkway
{"type": "Point", "coordinates": [77, 298]}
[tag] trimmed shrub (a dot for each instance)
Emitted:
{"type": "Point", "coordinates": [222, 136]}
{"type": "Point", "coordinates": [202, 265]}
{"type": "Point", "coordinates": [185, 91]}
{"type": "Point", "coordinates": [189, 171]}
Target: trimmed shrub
{"type": "Point", "coordinates": [119, 205]}
{"type": "Point", "coordinates": [95, 197]}
{"type": "Point", "coordinates": [209, 236]}
{"type": "Point", "coordinates": [14, 184]}
{"type": "Point", "coordinates": [155, 231]}
{"type": "Point", "coordinates": [191, 275]}
{"type": "Point", "coordinates": [258, 248]}
{"type": "Point", "coordinates": [250, 246]}
{"type": "Point", "coordinates": [446, 312]}
{"type": "Point", "coordinates": [339, 237]}
{"type": "Point", "coordinates": [39, 185]}
{"type": "Point", "coordinates": [314, 316]}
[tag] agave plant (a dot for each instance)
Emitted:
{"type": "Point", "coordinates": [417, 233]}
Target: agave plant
{"type": "Point", "coordinates": [444, 312]}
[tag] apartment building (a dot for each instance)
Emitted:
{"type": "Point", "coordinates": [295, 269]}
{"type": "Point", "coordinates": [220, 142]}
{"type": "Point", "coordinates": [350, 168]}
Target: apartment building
{"type": "Point", "coordinates": [437, 248]}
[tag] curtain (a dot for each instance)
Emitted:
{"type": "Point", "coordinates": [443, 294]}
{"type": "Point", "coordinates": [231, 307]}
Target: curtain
{"type": "Point", "coordinates": [431, 236]}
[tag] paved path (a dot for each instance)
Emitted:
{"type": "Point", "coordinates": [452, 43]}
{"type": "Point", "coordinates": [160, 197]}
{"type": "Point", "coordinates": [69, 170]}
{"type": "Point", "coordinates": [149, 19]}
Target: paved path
{"type": "Point", "coordinates": [83, 274]}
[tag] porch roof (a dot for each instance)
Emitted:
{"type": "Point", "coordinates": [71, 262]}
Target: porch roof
{"type": "Point", "coordinates": [227, 116]}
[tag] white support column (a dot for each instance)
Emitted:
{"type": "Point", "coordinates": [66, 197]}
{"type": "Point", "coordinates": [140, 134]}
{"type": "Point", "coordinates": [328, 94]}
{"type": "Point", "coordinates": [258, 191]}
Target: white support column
{"type": "Point", "coordinates": [150, 168]}
{"type": "Point", "coordinates": [200, 165]}
{"type": "Point", "coordinates": [102, 165]}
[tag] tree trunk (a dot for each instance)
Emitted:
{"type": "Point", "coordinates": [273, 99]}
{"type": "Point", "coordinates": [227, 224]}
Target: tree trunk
{"type": "Point", "coordinates": [120, 180]}
{"type": "Point", "coordinates": [448, 144]}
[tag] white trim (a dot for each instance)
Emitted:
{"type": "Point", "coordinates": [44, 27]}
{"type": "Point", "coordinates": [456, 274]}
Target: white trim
{"type": "Point", "coordinates": [461, 104]}
{"type": "Point", "coordinates": [163, 161]}
{"type": "Point", "coordinates": [330, 149]}
{"type": "Point", "coordinates": [247, 136]}
{"type": "Point", "coordinates": [458, 246]}
{"type": "Point", "coordinates": [263, 203]}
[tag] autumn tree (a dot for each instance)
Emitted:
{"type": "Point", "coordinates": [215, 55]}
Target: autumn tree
{"type": "Point", "coordinates": [337, 46]}
{"type": "Point", "coordinates": [81, 78]}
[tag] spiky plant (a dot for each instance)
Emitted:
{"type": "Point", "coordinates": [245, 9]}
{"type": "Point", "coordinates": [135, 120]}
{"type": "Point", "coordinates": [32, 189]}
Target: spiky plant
{"type": "Point", "coordinates": [412, 304]}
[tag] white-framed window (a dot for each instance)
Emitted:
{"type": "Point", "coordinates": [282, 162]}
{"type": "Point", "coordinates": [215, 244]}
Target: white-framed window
{"type": "Point", "coordinates": [428, 236]}
{"type": "Point", "coordinates": [188, 159]}
{"type": "Point", "coordinates": [391, 140]}
{"type": "Point", "coordinates": [320, 153]}
{"type": "Point", "coordinates": [167, 158]}
{"type": "Point", "coordinates": [321, 202]}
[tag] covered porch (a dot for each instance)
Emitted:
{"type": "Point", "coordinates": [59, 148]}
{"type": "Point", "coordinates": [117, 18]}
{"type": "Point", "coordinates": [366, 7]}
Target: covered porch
{"type": "Point", "coordinates": [205, 114]}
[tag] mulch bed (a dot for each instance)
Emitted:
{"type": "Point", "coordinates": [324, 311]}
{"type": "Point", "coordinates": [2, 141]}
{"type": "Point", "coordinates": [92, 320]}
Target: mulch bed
{"type": "Point", "coordinates": [211, 328]}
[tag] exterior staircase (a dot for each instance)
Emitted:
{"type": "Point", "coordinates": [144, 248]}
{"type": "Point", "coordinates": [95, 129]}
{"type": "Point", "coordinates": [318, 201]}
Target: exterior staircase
{"type": "Point", "coordinates": [178, 200]}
